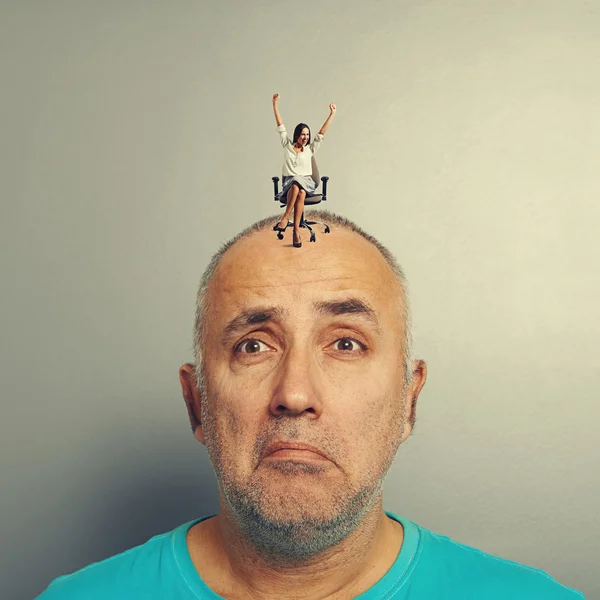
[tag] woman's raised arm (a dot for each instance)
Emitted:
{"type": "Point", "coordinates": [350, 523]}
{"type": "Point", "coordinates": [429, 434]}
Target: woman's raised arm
{"type": "Point", "coordinates": [276, 110]}
{"type": "Point", "coordinates": [332, 109]}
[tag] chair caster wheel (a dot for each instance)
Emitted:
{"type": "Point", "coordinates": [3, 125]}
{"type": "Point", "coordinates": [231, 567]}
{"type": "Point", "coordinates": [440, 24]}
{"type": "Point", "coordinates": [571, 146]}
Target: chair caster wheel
{"type": "Point", "coordinates": [312, 238]}
{"type": "Point", "coordinates": [280, 235]}
{"type": "Point", "coordinates": [327, 229]}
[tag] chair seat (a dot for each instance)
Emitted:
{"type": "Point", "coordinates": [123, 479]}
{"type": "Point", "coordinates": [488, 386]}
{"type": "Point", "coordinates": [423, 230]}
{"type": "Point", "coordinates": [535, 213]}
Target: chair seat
{"type": "Point", "coordinates": [314, 199]}
{"type": "Point", "coordinates": [308, 200]}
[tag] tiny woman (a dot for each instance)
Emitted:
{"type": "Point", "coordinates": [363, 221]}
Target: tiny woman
{"type": "Point", "coordinates": [297, 168]}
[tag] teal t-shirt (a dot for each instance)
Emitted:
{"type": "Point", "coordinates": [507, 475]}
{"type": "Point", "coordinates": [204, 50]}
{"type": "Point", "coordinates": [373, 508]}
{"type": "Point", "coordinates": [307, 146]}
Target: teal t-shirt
{"type": "Point", "coordinates": [428, 567]}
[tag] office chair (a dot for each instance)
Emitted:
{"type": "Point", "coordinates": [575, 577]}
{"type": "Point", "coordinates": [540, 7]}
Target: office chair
{"type": "Point", "coordinates": [310, 200]}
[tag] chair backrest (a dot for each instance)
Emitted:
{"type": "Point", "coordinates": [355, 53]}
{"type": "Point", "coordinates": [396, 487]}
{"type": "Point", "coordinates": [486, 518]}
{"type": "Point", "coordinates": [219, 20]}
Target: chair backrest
{"type": "Point", "coordinates": [315, 171]}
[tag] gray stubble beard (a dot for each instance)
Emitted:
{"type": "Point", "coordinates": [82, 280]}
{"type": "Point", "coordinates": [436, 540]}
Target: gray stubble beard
{"type": "Point", "coordinates": [289, 542]}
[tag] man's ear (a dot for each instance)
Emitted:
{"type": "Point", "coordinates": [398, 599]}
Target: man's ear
{"type": "Point", "coordinates": [193, 398]}
{"type": "Point", "coordinates": [419, 377]}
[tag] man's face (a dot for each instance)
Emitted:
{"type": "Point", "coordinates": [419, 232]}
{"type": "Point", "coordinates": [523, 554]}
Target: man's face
{"type": "Point", "coordinates": [303, 348]}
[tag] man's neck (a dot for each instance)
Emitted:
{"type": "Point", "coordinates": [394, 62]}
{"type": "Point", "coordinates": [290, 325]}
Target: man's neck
{"type": "Point", "coordinates": [234, 568]}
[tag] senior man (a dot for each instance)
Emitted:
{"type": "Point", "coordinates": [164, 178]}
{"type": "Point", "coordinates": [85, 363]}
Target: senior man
{"type": "Point", "coordinates": [303, 389]}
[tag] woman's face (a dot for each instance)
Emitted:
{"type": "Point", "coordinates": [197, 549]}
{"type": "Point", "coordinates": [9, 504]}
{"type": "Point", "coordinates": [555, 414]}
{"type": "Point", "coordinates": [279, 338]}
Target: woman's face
{"type": "Point", "coordinates": [303, 137]}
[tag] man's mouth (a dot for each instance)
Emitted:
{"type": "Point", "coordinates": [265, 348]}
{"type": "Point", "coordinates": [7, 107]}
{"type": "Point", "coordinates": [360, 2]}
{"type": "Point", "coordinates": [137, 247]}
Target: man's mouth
{"type": "Point", "coordinates": [284, 450]}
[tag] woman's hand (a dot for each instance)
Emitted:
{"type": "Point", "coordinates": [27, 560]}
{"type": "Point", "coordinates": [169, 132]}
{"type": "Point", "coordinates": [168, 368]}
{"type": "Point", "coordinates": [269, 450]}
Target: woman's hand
{"type": "Point", "coordinates": [275, 98]}
{"type": "Point", "coordinates": [332, 108]}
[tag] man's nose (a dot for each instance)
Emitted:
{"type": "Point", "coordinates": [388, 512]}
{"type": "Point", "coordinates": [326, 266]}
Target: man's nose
{"type": "Point", "coordinates": [296, 390]}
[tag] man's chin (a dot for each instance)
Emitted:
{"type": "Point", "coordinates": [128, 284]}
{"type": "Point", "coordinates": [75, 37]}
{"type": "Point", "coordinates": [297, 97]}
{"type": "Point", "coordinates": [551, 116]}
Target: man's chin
{"type": "Point", "coordinates": [297, 512]}
{"type": "Point", "coordinates": [305, 499]}
{"type": "Point", "coordinates": [297, 523]}
{"type": "Point", "coordinates": [294, 495]}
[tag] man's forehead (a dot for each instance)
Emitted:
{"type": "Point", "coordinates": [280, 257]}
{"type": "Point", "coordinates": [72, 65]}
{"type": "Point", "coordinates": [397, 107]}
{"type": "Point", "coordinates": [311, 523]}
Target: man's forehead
{"type": "Point", "coordinates": [260, 270]}
{"type": "Point", "coordinates": [342, 257]}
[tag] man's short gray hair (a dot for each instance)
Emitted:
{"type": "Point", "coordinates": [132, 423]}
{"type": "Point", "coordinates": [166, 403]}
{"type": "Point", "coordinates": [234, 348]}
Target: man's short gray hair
{"type": "Point", "coordinates": [320, 215]}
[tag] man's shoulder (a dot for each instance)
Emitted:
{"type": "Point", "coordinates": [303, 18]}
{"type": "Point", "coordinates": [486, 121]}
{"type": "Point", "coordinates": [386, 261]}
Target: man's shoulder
{"type": "Point", "coordinates": [144, 569]}
{"type": "Point", "coordinates": [479, 570]}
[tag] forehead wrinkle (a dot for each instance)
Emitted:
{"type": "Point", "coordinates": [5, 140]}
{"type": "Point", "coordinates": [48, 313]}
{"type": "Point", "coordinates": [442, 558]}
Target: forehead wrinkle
{"type": "Point", "coordinates": [353, 293]}
{"type": "Point", "coordinates": [233, 287]}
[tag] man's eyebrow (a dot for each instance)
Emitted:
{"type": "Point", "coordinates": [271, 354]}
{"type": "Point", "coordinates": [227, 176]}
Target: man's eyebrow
{"type": "Point", "coordinates": [349, 306]}
{"type": "Point", "coordinates": [248, 318]}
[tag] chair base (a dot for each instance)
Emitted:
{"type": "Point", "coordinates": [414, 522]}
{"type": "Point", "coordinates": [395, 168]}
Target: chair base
{"type": "Point", "coordinates": [307, 225]}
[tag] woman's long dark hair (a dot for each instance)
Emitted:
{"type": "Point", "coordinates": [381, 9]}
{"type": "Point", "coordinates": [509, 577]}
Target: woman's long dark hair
{"type": "Point", "coordinates": [298, 131]}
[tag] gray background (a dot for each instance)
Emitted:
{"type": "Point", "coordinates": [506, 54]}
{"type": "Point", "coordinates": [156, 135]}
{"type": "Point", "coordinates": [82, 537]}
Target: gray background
{"type": "Point", "coordinates": [138, 135]}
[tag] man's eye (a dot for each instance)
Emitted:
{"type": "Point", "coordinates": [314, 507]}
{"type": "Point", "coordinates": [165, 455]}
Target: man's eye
{"type": "Point", "coordinates": [347, 345]}
{"type": "Point", "coordinates": [251, 346]}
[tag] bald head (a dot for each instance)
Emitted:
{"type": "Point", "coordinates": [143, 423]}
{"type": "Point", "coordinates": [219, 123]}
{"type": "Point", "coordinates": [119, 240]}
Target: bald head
{"type": "Point", "coordinates": [348, 253]}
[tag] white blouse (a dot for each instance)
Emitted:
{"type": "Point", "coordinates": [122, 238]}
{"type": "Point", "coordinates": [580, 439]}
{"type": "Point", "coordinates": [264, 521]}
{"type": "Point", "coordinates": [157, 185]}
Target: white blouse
{"type": "Point", "coordinates": [297, 163]}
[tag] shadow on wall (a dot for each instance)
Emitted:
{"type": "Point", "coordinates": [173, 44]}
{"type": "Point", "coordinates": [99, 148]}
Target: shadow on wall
{"type": "Point", "coordinates": [110, 507]}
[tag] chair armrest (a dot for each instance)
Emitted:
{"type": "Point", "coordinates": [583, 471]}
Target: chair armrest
{"type": "Point", "coordinates": [324, 180]}
{"type": "Point", "coordinates": [275, 185]}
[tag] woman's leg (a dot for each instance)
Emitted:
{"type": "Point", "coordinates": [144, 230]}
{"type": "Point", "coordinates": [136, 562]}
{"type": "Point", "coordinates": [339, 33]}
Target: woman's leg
{"type": "Point", "coordinates": [298, 210]}
{"type": "Point", "coordinates": [291, 200]}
